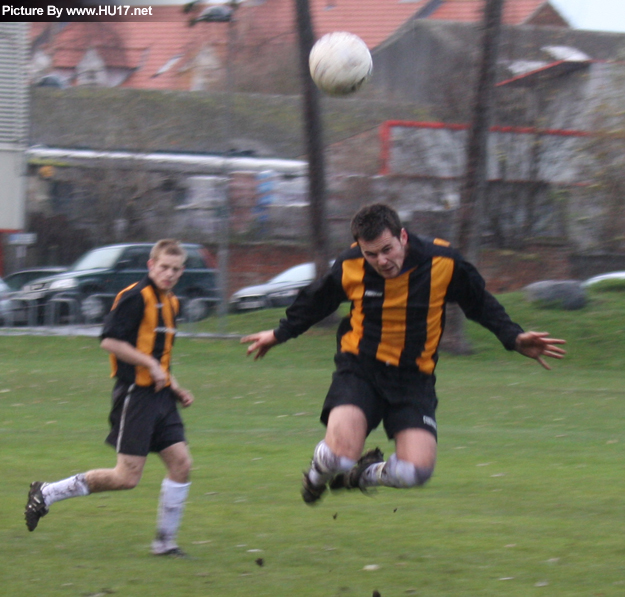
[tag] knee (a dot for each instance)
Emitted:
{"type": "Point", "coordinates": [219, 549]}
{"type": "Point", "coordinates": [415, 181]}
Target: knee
{"type": "Point", "coordinates": [346, 431]}
{"type": "Point", "coordinates": [185, 467]}
{"type": "Point", "coordinates": [129, 479]}
{"type": "Point", "coordinates": [180, 471]}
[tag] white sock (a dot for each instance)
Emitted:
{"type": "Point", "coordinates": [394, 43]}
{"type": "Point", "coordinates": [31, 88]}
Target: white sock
{"type": "Point", "coordinates": [326, 464]}
{"type": "Point", "coordinates": [395, 473]}
{"type": "Point", "coordinates": [170, 508]}
{"type": "Point", "coordinates": [75, 486]}
{"type": "Point", "coordinates": [372, 476]}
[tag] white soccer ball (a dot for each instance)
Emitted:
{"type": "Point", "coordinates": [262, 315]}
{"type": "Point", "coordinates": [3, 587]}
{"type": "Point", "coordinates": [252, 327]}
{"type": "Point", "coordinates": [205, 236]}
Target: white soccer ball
{"type": "Point", "coordinates": [340, 63]}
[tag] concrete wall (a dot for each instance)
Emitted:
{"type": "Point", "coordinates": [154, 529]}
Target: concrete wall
{"type": "Point", "coordinates": [13, 123]}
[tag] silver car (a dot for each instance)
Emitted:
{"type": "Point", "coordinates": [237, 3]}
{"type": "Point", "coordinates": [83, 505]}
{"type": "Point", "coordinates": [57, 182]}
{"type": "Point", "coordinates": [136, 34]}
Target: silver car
{"type": "Point", "coordinates": [6, 307]}
{"type": "Point", "coordinates": [278, 292]}
{"type": "Point", "coordinates": [17, 280]}
{"type": "Point", "coordinates": [610, 277]}
{"type": "Point", "coordinates": [14, 311]}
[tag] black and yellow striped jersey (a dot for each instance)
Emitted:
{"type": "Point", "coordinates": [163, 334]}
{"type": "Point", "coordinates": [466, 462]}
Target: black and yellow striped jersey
{"type": "Point", "coordinates": [399, 321]}
{"type": "Point", "coordinates": [145, 317]}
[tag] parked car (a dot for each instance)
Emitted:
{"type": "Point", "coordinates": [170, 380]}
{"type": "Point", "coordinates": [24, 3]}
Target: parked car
{"type": "Point", "coordinates": [15, 312]}
{"type": "Point", "coordinates": [610, 277]}
{"type": "Point", "coordinates": [280, 291]}
{"type": "Point", "coordinates": [85, 292]}
{"type": "Point", "coordinates": [16, 280]}
{"type": "Point", "coordinates": [5, 303]}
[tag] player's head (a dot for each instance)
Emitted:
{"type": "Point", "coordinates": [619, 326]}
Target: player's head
{"type": "Point", "coordinates": [166, 263]}
{"type": "Point", "coordinates": [378, 231]}
{"type": "Point", "coordinates": [370, 221]}
{"type": "Point", "coordinates": [168, 246]}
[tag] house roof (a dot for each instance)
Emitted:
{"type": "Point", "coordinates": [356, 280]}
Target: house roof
{"type": "Point", "coordinates": [376, 20]}
{"type": "Point", "coordinates": [159, 51]}
{"type": "Point", "coordinates": [372, 20]}
{"type": "Point", "coordinates": [147, 47]}
{"type": "Point", "coordinates": [551, 70]}
{"type": "Point", "coordinates": [515, 12]}
{"type": "Point", "coordinates": [168, 40]}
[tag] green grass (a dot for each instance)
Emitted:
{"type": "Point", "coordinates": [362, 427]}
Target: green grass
{"type": "Point", "coordinates": [527, 498]}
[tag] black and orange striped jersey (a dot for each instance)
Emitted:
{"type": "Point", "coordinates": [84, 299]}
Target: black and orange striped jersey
{"type": "Point", "coordinates": [145, 317]}
{"type": "Point", "coordinates": [399, 321]}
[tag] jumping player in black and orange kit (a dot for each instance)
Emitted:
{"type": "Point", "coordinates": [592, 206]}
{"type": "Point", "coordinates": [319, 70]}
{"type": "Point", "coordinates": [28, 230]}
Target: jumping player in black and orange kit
{"type": "Point", "coordinates": [399, 285]}
{"type": "Point", "coordinates": [139, 335]}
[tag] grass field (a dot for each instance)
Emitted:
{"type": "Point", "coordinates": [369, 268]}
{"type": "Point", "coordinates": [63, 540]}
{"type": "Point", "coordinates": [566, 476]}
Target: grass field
{"type": "Point", "coordinates": [527, 498]}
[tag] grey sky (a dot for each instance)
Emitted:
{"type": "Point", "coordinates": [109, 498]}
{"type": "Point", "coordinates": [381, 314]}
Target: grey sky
{"type": "Point", "coordinates": [600, 15]}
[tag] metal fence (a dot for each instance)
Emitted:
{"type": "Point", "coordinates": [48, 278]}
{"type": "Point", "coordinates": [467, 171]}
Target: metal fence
{"type": "Point", "coordinates": [68, 310]}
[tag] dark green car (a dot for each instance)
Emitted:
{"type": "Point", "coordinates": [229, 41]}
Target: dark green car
{"type": "Point", "coordinates": [85, 292]}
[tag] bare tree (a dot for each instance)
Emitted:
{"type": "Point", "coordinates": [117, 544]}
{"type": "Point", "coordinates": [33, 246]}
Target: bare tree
{"type": "Point", "coordinates": [474, 188]}
{"type": "Point", "coordinates": [472, 196]}
{"type": "Point", "coordinates": [606, 165]}
{"type": "Point", "coordinates": [101, 204]}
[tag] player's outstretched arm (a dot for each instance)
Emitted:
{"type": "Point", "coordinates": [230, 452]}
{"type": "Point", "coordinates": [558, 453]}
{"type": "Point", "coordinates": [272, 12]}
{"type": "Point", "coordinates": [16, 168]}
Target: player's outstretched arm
{"type": "Point", "coordinates": [259, 343]}
{"type": "Point", "coordinates": [537, 345]}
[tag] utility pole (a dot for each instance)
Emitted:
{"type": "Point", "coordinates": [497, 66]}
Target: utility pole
{"type": "Point", "coordinates": [314, 141]}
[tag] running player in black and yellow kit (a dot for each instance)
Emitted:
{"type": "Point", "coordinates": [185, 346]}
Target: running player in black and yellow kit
{"type": "Point", "coordinates": [399, 285]}
{"type": "Point", "coordinates": [139, 335]}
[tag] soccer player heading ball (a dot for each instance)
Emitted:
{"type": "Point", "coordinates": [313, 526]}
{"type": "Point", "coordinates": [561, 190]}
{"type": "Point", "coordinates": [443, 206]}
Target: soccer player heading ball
{"type": "Point", "coordinates": [399, 285]}
{"type": "Point", "coordinates": [139, 335]}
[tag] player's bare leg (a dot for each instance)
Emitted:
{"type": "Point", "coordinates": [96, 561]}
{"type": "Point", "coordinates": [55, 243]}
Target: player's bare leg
{"type": "Point", "coordinates": [125, 475]}
{"type": "Point", "coordinates": [337, 452]}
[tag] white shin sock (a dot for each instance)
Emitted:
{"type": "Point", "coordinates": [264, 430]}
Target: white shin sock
{"type": "Point", "coordinates": [171, 505]}
{"type": "Point", "coordinates": [75, 486]}
{"type": "Point", "coordinates": [395, 473]}
{"type": "Point", "coordinates": [326, 464]}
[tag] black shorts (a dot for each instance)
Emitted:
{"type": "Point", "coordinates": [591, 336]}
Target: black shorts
{"type": "Point", "coordinates": [143, 421]}
{"type": "Point", "coordinates": [401, 397]}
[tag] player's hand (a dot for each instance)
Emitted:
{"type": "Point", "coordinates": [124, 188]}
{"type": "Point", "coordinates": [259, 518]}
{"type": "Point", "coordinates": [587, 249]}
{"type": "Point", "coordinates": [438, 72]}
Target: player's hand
{"type": "Point", "coordinates": [259, 343]}
{"type": "Point", "coordinates": [537, 345]}
{"type": "Point", "coordinates": [159, 377]}
{"type": "Point", "coordinates": [185, 397]}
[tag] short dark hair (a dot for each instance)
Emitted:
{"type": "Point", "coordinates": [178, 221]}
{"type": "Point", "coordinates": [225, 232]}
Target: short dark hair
{"type": "Point", "coordinates": [168, 246]}
{"type": "Point", "coordinates": [372, 220]}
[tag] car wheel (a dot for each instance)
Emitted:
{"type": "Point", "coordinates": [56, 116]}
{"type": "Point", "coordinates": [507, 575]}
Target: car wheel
{"type": "Point", "coordinates": [92, 308]}
{"type": "Point", "coordinates": [196, 309]}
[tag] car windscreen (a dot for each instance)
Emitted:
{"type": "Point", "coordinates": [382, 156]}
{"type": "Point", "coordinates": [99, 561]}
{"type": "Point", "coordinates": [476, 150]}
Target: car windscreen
{"type": "Point", "coordinates": [299, 273]}
{"type": "Point", "coordinates": [105, 257]}
{"type": "Point", "coordinates": [16, 281]}
{"type": "Point", "coordinates": [194, 260]}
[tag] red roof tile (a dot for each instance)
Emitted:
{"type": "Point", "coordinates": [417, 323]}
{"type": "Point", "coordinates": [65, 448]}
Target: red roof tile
{"type": "Point", "coordinates": [144, 46]}
{"type": "Point", "coordinates": [164, 40]}
{"type": "Point", "coordinates": [150, 47]}
{"type": "Point", "coordinates": [372, 20]}
{"type": "Point", "coordinates": [515, 12]}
